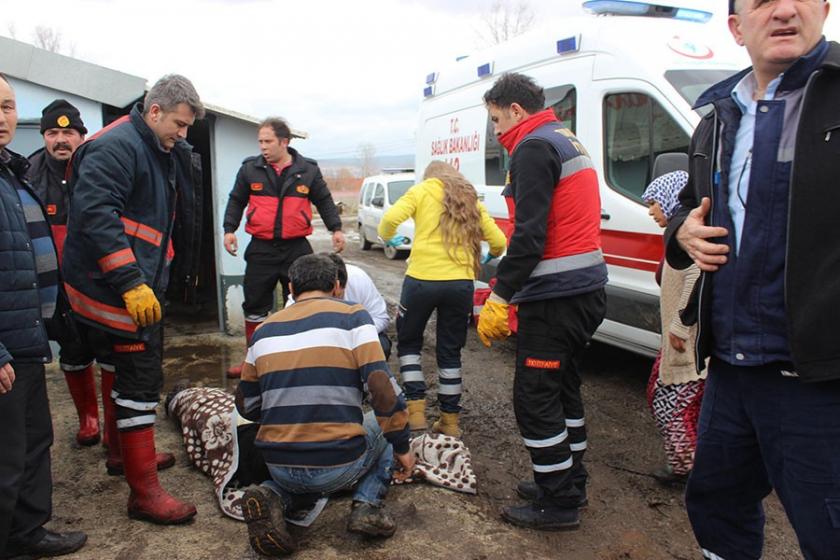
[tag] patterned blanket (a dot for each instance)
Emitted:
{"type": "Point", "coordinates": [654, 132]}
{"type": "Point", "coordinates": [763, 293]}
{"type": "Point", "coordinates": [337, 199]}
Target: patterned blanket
{"type": "Point", "coordinates": [209, 421]}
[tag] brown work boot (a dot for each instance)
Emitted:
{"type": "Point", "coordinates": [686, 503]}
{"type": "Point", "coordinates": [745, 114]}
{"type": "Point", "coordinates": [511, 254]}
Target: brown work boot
{"type": "Point", "coordinates": [417, 415]}
{"type": "Point", "coordinates": [371, 521]}
{"type": "Point", "coordinates": [264, 513]}
{"type": "Point", "coordinates": [447, 424]}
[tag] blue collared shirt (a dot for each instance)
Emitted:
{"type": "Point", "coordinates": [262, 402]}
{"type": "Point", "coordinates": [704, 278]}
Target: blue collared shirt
{"type": "Point", "coordinates": [739, 169]}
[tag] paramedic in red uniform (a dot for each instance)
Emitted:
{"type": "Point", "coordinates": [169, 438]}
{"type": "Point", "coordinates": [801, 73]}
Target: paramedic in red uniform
{"type": "Point", "coordinates": [126, 183]}
{"type": "Point", "coordinates": [279, 188]}
{"type": "Point", "coordinates": [555, 272]}
{"type": "Point", "coordinates": [64, 131]}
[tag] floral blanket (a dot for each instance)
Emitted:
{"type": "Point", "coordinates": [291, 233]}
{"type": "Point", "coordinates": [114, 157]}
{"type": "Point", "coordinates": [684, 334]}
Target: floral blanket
{"type": "Point", "coordinates": [208, 422]}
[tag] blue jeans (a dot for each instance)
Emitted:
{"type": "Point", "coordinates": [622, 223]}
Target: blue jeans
{"type": "Point", "coordinates": [372, 472]}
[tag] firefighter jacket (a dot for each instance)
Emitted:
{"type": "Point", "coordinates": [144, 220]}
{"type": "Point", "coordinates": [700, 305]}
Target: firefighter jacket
{"type": "Point", "coordinates": [125, 190]}
{"type": "Point", "coordinates": [280, 206]}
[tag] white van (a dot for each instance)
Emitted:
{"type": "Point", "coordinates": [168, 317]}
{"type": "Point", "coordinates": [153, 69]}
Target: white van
{"type": "Point", "coordinates": [624, 85]}
{"type": "Point", "coordinates": [377, 195]}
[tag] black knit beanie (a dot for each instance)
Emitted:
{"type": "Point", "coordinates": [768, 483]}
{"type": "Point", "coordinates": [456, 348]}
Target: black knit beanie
{"type": "Point", "coordinates": [61, 114]}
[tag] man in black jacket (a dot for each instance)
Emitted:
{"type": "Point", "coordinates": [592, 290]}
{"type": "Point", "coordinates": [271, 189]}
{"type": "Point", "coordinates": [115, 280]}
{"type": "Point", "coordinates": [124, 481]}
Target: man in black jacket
{"type": "Point", "coordinates": [127, 182]}
{"type": "Point", "coordinates": [279, 187]}
{"type": "Point", "coordinates": [759, 219]}
{"type": "Point", "coordinates": [64, 131]}
{"type": "Point", "coordinates": [28, 290]}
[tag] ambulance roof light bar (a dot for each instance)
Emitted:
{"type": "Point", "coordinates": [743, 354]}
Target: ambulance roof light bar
{"type": "Point", "coordinates": [645, 9]}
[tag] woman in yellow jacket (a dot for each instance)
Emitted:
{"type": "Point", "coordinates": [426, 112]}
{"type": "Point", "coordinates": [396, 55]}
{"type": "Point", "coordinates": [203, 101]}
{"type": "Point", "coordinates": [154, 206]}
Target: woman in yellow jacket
{"type": "Point", "coordinates": [450, 224]}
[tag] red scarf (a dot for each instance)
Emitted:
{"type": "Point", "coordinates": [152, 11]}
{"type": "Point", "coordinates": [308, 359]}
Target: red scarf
{"type": "Point", "coordinates": [514, 136]}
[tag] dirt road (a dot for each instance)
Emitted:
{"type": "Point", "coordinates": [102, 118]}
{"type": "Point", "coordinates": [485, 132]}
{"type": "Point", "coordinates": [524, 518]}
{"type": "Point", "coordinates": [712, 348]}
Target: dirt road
{"type": "Point", "coordinates": [630, 516]}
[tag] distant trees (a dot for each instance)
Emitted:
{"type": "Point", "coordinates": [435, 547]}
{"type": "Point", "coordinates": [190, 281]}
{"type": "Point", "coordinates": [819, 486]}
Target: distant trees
{"type": "Point", "coordinates": [367, 159]}
{"type": "Point", "coordinates": [47, 38]}
{"type": "Point", "coordinates": [504, 21]}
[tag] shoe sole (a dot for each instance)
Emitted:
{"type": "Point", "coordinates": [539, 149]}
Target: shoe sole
{"type": "Point", "coordinates": [546, 527]}
{"type": "Point", "coordinates": [372, 532]}
{"type": "Point", "coordinates": [262, 535]}
{"type": "Point", "coordinates": [530, 497]}
{"type": "Point", "coordinates": [143, 516]}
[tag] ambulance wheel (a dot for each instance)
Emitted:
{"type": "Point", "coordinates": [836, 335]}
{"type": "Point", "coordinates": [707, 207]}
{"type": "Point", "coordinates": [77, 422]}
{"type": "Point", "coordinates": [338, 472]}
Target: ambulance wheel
{"type": "Point", "coordinates": [363, 242]}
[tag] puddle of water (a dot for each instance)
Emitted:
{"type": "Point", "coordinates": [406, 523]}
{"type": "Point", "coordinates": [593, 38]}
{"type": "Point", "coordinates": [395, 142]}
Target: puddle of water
{"type": "Point", "coordinates": [200, 363]}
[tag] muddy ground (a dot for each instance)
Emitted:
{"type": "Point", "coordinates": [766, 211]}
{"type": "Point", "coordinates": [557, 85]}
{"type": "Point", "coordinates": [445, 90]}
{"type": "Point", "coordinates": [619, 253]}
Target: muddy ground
{"type": "Point", "coordinates": [630, 517]}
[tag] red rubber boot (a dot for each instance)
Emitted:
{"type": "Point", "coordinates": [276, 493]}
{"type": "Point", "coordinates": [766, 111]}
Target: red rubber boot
{"type": "Point", "coordinates": [235, 371]}
{"type": "Point", "coordinates": [83, 390]}
{"type": "Point", "coordinates": [114, 462]}
{"type": "Point", "coordinates": [148, 501]}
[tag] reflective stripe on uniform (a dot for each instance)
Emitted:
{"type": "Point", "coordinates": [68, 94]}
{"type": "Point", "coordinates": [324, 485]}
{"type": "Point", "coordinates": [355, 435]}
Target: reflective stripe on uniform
{"type": "Point", "coordinates": [548, 442]}
{"type": "Point", "coordinates": [578, 446]}
{"type": "Point", "coordinates": [142, 231]}
{"type": "Point", "coordinates": [449, 389]}
{"type": "Point", "coordinates": [116, 260]}
{"type": "Point", "coordinates": [67, 368]}
{"type": "Point", "coordinates": [565, 264]}
{"type": "Point", "coordinates": [108, 315]}
{"type": "Point", "coordinates": [410, 360]}
{"type": "Point", "coordinates": [565, 465]}
{"type": "Point", "coordinates": [575, 422]}
{"type": "Point", "coordinates": [412, 376]}
{"type": "Point", "coordinates": [145, 420]}
{"type": "Point", "coordinates": [449, 373]}
{"type": "Point", "coordinates": [133, 405]}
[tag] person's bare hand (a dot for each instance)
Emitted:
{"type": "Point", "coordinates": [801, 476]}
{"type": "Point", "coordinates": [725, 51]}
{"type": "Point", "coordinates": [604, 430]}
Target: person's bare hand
{"type": "Point", "coordinates": [693, 237]}
{"type": "Point", "coordinates": [406, 462]}
{"type": "Point", "coordinates": [338, 241]}
{"type": "Point", "coordinates": [677, 343]}
{"type": "Point", "coordinates": [7, 378]}
{"type": "Point", "coordinates": [231, 244]}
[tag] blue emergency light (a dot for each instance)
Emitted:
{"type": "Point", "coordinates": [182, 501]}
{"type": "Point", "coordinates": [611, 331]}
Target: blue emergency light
{"type": "Point", "coordinates": [645, 9]}
{"type": "Point", "coordinates": [485, 70]}
{"type": "Point", "coordinates": [431, 78]}
{"type": "Point", "coordinates": [428, 91]}
{"type": "Point", "coordinates": [567, 45]}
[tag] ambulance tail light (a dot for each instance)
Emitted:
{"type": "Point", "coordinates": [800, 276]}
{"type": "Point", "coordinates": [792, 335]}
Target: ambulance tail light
{"type": "Point", "coordinates": [645, 9]}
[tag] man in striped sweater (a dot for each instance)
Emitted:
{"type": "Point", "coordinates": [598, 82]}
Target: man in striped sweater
{"type": "Point", "coordinates": [307, 370]}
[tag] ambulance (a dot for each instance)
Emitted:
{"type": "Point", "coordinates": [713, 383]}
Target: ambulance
{"type": "Point", "coordinates": [623, 78]}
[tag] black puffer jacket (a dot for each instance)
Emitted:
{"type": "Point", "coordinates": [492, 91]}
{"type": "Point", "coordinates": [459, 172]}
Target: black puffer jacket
{"type": "Point", "coordinates": [23, 335]}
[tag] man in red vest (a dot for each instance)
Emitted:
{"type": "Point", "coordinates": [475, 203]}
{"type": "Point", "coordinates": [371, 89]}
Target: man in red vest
{"type": "Point", "coordinates": [555, 272]}
{"type": "Point", "coordinates": [279, 188]}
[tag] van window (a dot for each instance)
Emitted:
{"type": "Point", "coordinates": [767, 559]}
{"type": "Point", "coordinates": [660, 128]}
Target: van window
{"type": "Point", "coordinates": [562, 100]}
{"type": "Point", "coordinates": [379, 193]}
{"type": "Point", "coordinates": [636, 130]}
{"type": "Point", "coordinates": [396, 189]}
{"type": "Point", "coordinates": [368, 194]}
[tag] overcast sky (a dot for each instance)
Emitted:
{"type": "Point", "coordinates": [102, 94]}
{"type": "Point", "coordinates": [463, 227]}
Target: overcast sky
{"type": "Point", "coordinates": [346, 72]}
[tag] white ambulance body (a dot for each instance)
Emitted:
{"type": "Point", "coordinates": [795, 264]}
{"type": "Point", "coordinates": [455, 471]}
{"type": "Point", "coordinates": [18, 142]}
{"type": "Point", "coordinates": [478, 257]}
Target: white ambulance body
{"type": "Point", "coordinates": [625, 86]}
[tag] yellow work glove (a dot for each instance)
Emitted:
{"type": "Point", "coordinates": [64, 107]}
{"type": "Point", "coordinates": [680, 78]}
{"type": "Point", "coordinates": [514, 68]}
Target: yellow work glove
{"type": "Point", "coordinates": [493, 320]}
{"type": "Point", "coordinates": [142, 305]}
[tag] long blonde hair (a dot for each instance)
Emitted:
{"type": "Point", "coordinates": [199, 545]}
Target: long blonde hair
{"type": "Point", "coordinates": [460, 221]}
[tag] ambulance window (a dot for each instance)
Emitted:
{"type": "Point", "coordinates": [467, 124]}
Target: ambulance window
{"type": "Point", "coordinates": [368, 194]}
{"type": "Point", "coordinates": [563, 101]}
{"type": "Point", "coordinates": [496, 160]}
{"type": "Point", "coordinates": [636, 130]}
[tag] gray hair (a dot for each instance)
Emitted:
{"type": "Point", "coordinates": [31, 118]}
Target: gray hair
{"type": "Point", "coordinates": [172, 90]}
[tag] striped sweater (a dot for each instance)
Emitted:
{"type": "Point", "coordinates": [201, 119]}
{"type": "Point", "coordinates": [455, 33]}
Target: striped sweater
{"type": "Point", "coordinates": [306, 372]}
